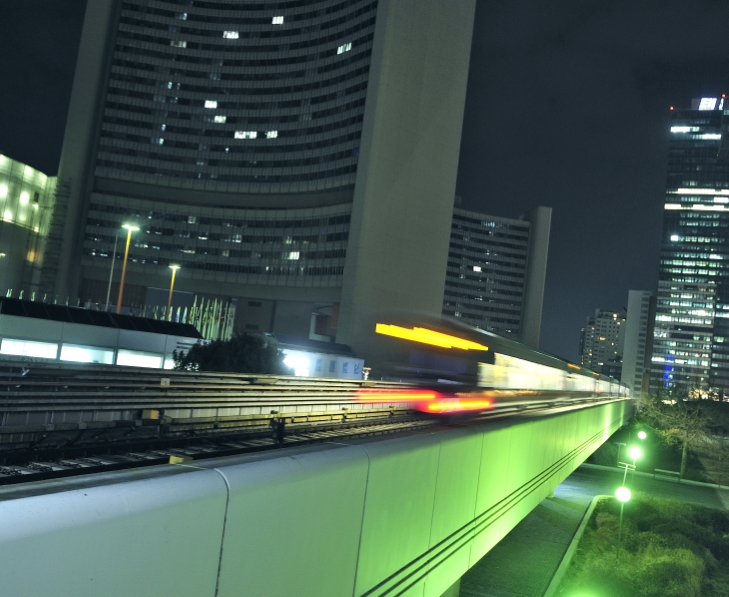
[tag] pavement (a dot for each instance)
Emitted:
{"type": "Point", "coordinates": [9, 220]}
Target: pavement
{"type": "Point", "coordinates": [523, 563]}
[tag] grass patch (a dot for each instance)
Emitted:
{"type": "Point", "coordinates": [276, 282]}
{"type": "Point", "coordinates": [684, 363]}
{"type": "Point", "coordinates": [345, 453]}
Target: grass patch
{"type": "Point", "coordinates": [668, 549]}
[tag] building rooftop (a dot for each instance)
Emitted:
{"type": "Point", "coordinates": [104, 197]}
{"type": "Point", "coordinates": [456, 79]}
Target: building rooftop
{"type": "Point", "coordinates": [36, 310]}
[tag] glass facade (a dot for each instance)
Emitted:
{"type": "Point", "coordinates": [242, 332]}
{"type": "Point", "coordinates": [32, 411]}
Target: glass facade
{"type": "Point", "coordinates": [486, 275]}
{"type": "Point", "coordinates": [26, 196]}
{"type": "Point", "coordinates": [248, 97]}
{"type": "Point", "coordinates": [692, 312]}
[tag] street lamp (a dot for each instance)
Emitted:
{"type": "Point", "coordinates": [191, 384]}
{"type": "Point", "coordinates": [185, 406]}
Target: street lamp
{"type": "Point", "coordinates": [634, 452]}
{"type": "Point", "coordinates": [129, 228]}
{"type": "Point", "coordinates": [619, 444]}
{"type": "Point", "coordinates": [174, 269]}
{"type": "Point", "coordinates": [111, 271]}
{"type": "Point", "coordinates": [623, 495]}
{"type": "Point", "coordinates": [642, 435]}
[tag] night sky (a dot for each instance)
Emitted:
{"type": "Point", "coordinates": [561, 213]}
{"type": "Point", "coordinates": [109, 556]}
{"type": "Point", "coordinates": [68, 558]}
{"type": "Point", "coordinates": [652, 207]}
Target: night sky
{"type": "Point", "coordinates": [567, 107]}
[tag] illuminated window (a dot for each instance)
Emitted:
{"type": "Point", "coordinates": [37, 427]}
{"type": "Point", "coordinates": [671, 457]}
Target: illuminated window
{"type": "Point", "coordinates": [674, 237]}
{"type": "Point", "coordinates": [211, 104]}
{"type": "Point", "coordinates": [293, 255]}
{"type": "Point", "coordinates": [24, 198]}
{"type": "Point", "coordinates": [230, 34]}
{"type": "Point", "coordinates": [86, 354]}
{"type": "Point", "coordinates": [707, 103]}
{"type": "Point", "coordinates": [135, 358]}
{"type": "Point", "coordinates": [178, 44]}
{"type": "Point", "coordinates": [277, 21]}
{"type": "Point", "coordinates": [25, 348]}
{"type": "Point", "coordinates": [271, 134]}
{"type": "Point", "coordinates": [476, 268]}
{"type": "Point", "coordinates": [3, 190]}
{"type": "Point", "coordinates": [245, 134]}
{"type": "Point", "coordinates": [345, 48]}
{"type": "Point", "coordinates": [220, 119]}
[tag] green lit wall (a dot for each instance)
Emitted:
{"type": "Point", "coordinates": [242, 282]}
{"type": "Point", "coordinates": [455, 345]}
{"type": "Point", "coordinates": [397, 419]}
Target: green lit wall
{"type": "Point", "coordinates": [404, 515]}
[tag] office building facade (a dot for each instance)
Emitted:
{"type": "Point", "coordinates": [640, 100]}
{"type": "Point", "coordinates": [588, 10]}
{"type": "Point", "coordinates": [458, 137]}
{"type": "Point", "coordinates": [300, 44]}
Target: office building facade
{"type": "Point", "coordinates": [638, 345]}
{"type": "Point", "coordinates": [26, 205]}
{"type": "Point", "coordinates": [297, 155]}
{"type": "Point", "coordinates": [496, 272]}
{"type": "Point", "coordinates": [691, 338]}
{"type": "Point", "coordinates": [601, 342]}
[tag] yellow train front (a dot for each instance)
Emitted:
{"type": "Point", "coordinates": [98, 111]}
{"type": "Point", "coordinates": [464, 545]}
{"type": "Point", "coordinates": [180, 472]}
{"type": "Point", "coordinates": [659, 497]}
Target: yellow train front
{"type": "Point", "coordinates": [454, 368]}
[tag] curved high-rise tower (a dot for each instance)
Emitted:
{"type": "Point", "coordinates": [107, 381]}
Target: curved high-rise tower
{"type": "Point", "coordinates": [299, 155]}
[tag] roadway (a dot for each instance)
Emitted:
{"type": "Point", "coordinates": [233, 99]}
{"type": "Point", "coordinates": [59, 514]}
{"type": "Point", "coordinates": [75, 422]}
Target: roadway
{"type": "Point", "coordinates": [522, 563]}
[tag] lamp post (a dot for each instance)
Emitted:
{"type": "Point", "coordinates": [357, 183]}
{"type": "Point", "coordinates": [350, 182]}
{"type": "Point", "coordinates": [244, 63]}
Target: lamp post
{"type": "Point", "coordinates": [642, 435]}
{"type": "Point", "coordinates": [619, 444]}
{"type": "Point", "coordinates": [111, 271]}
{"type": "Point", "coordinates": [623, 495]}
{"type": "Point", "coordinates": [174, 269]}
{"type": "Point", "coordinates": [635, 453]}
{"type": "Point", "coordinates": [129, 228]}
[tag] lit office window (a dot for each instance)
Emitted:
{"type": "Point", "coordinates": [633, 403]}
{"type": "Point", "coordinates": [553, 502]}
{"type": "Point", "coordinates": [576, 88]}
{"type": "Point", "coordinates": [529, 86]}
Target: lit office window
{"type": "Point", "coordinates": [294, 255]}
{"type": "Point", "coordinates": [345, 48]}
{"type": "Point", "coordinates": [220, 119]}
{"type": "Point", "coordinates": [135, 358]}
{"type": "Point", "coordinates": [245, 134]}
{"type": "Point", "coordinates": [271, 134]}
{"type": "Point", "coordinates": [87, 354]}
{"type": "Point", "coordinates": [277, 21]}
{"type": "Point", "coordinates": [211, 104]}
{"type": "Point", "coordinates": [178, 44]}
{"type": "Point", "coordinates": [26, 348]}
{"type": "Point", "coordinates": [230, 34]}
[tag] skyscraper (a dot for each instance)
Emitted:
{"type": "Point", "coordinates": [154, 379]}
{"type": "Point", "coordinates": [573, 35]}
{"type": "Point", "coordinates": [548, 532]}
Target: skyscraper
{"type": "Point", "coordinates": [298, 153]}
{"type": "Point", "coordinates": [601, 342]}
{"type": "Point", "coordinates": [496, 272]}
{"type": "Point", "coordinates": [638, 345]}
{"type": "Point", "coordinates": [692, 313]}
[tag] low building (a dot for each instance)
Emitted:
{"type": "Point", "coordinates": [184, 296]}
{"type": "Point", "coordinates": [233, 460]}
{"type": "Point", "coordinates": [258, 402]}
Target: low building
{"type": "Point", "coordinates": [39, 331]}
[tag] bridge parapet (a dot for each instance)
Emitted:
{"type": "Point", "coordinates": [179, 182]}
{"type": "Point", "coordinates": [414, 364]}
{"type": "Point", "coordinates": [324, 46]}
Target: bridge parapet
{"type": "Point", "coordinates": [405, 515]}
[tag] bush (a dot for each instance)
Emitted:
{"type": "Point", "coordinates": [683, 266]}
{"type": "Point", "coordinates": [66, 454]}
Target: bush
{"type": "Point", "coordinates": [668, 549]}
{"type": "Point", "coordinates": [244, 353]}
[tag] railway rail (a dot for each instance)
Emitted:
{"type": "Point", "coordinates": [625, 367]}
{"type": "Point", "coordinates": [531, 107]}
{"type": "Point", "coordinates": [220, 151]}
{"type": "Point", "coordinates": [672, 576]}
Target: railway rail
{"type": "Point", "coordinates": [59, 421]}
{"type": "Point", "coordinates": [65, 421]}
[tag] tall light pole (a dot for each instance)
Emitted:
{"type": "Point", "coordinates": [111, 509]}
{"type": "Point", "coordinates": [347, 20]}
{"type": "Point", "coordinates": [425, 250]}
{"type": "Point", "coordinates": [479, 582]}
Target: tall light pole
{"type": "Point", "coordinates": [174, 269]}
{"type": "Point", "coordinates": [623, 495]}
{"type": "Point", "coordinates": [129, 228]}
{"type": "Point", "coordinates": [634, 453]}
{"type": "Point", "coordinates": [111, 271]}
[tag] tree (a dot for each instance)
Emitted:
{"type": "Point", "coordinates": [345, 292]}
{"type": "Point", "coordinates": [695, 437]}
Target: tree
{"type": "Point", "coordinates": [681, 420]}
{"type": "Point", "coordinates": [244, 353]}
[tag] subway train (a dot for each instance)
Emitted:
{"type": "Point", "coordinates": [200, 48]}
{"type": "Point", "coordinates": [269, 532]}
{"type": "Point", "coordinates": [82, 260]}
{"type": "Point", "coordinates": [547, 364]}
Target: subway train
{"type": "Point", "coordinates": [456, 368]}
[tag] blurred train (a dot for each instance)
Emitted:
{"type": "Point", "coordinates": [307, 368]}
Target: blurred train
{"type": "Point", "coordinates": [457, 368]}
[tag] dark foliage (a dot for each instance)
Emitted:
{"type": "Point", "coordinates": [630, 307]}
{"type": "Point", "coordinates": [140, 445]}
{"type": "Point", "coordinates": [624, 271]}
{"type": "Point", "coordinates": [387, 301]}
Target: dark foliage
{"type": "Point", "coordinates": [244, 353]}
